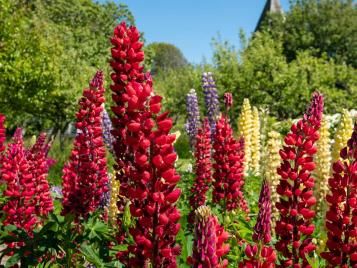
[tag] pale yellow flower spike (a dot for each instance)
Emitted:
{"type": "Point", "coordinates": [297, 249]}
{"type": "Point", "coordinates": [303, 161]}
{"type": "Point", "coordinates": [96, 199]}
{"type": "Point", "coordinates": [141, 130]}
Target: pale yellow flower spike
{"type": "Point", "coordinates": [343, 133]}
{"type": "Point", "coordinates": [245, 130]}
{"type": "Point", "coordinates": [272, 162]}
{"type": "Point", "coordinates": [323, 164]}
{"type": "Point", "coordinates": [114, 195]}
{"type": "Point", "coordinates": [255, 141]}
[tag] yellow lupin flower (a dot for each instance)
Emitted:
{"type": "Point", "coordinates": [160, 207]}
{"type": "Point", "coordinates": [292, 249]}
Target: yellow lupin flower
{"type": "Point", "coordinates": [255, 141]}
{"type": "Point", "coordinates": [323, 164]}
{"type": "Point", "coordinates": [343, 133]}
{"type": "Point", "coordinates": [245, 130]}
{"type": "Point", "coordinates": [272, 162]}
{"type": "Point", "coordinates": [114, 195]}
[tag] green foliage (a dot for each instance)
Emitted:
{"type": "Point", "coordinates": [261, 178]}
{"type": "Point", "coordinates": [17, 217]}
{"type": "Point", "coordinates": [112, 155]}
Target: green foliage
{"type": "Point", "coordinates": [322, 27]}
{"type": "Point", "coordinates": [61, 238]}
{"type": "Point", "coordinates": [165, 57]}
{"type": "Point", "coordinates": [49, 51]}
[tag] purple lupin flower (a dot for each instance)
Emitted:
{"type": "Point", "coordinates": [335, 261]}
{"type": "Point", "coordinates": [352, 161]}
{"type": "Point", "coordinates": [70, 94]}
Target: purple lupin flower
{"type": "Point", "coordinates": [193, 116]}
{"type": "Point", "coordinates": [211, 99]}
{"type": "Point", "coordinates": [107, 128]}
{"type": "Point", "coordinates": [262, 229]}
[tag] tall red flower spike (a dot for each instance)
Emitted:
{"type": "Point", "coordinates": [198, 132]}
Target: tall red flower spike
{"type": "Point", "coordinates": [209, 245]}
{"type": "Point", "coordinates": [341, 217]}
{"type": "Point", "coordinates": [85, 176]}
{"type": "Point", "coordinates": [145, 156]}
{"type": "Point", "coordinates": [203, 167]}
{"type": "Point", "coordinates": [39, 168]}
{"type": "Point", "coordinates": [295, 227]}
{"type": "Point", "coordinates": [228, 167]}
{"type": "Point", "coordinates": [2, 133]}
{"type": "Point", "coordinates": [261, 255]}
{"type": "Point", "coordinates": [26, 185]}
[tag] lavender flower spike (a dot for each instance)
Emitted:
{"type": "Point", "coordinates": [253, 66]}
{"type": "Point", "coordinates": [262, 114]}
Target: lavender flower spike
{"type": "Point", "coordinates": [193, 116]}
{"type": "Point", "coordinates": [211, 99]}
{"type": "Point", "coordinates": [262, 229]}
{"type": "Point", "coordinates": [107, 128]}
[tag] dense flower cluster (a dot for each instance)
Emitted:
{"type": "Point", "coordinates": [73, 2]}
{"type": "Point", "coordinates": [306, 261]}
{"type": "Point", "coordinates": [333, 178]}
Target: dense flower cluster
{"type": "Point", "coordinates": [272, 162]}
{"type": "Point", "coordinates": [113, 210]}
{"type": "Point", "coordinates": [2, 133]}
{"type": "Point", "coordinates": [255, 142]}
{"type": "Point", "coordinates": [145, 156]}
{"type": "Point", "coordinates": [228, 167]}
{"type": "Point", "coordinates": [25, 174]}
{"type": "Point", "coordinates": [209, 245]}
{"type": "Point", "coordinates": [245, 130]}
{"type": "Point", "coordinates": [85, 176]}
{"type": "Point", "coordinates": [342, 134]}
{"type": "Point", "coordinates": [341, 217]}
{"type": "Point", "coordinates": [228, 100]}
{"type": "Point", "coordinates": [323, 164]}
{"type": "Point", "coordinates": [295, 227]}
{"type": "Point", "coordinates": [211, 99]}
{"type": "Point", "coordinates": [203, 177]}
{"type": "Point", "coordinates": [107, 130]}
{"type": "Point", "coordinates": [193, 116]}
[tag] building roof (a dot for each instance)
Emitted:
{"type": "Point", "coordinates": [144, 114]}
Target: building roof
{"type": "Point", "coordinates": [271, 6]}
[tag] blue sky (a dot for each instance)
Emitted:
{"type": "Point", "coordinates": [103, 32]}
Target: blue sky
{"type": "Point", "coordinates": [191, 24]}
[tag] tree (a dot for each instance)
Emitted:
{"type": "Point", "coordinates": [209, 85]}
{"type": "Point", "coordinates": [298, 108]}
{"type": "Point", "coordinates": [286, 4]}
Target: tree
{"type": "Point", "coordinates": [165, 57]}
{"type": "Point", "coordinates": [48, 50]}
{"type": "Point", "coordinates": [322, 27]}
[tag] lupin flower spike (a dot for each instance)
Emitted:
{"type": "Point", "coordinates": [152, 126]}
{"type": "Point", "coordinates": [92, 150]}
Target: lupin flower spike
{"type": "Point", "coordinates": [145, 157]}
{"type": "Point", "coordinates": [25, 174]}
{"type": "Point", "coordinates": [85, 176]}
{"type": "Point", "coordinates": [2, 133]}
{"type": "Point", "coordinates": [114, 196]}
{"type": "Point", "coordinates": [228, 167]}
{"type": "Point", "coordinates": [261, 254]}
{"type": "Point", "coordinates": [295, 226]}
{"type": "Point", "coordinates": [245, 130]}
{"type": "Point", "coordinates": [272, 160]}
{"type": "Point", "coordinates": [193, 116]}
{"type": "Point", "coordinates": [255, 141]}
{"type": "Point", "coordinates": [211, 99]}
{"type": "Point", "coordinates": [228, 100]}
{"type": "Point", "coordinates": [341, 217]}
{"type": "Point", "coordinates": [203, 173]}
{"type": "Point", "coordinates": [343, 133]}
{"type": "Point", "coordinates": [323, 165]}
{"type": "Point", "coordinates": [209, 244]}
{"type": "Point", "coordinates": [107, 130]}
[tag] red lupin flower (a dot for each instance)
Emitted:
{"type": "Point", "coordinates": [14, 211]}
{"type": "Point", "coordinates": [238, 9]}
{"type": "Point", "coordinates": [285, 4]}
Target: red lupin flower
{"type": "Point", "coordinates": [85, 175]}
{"type": "Point", "coordinates": [145, 156]}
{"type": "Point", "coordinates": [2, 133]}
{"type": "Point", "coordinates": [203, 177]}
{"type": "Point", "coordinates": [295, 227]}
{"type": "Point", "coordinates": [341, 217]}
{"type": "Point", "coordinates": [228, 167]}
{"type": "Point", "coordinates": [25, 175]}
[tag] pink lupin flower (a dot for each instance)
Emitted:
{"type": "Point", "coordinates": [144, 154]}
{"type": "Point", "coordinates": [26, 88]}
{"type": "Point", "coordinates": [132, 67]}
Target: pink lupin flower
{"type": "Point", "coordinates": [202, 168]}
{"type": "Point", "coordinates": [261, 255]}
{"type": "Point", "coordinates": [2, 133]}
{"type": "Point", "coordinates": [85, 176]}
{"type": "Point", "coordinates": [295, 227]}
{"type": "Point", "coordinates": [145, 157]}
{"type": "Point", "coordinates": [341, 217]}
{"type": "Point", "coordinates": [209, 245]}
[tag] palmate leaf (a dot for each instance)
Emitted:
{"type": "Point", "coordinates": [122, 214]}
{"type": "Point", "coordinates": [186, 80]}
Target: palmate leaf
{"type": "Point", "coordinates": [14, 259]}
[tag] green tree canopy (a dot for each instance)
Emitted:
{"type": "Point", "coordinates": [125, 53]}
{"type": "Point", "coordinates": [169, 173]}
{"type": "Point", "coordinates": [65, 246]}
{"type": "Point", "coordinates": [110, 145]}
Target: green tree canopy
{"type": "Point", "coordinates": [165, 57]}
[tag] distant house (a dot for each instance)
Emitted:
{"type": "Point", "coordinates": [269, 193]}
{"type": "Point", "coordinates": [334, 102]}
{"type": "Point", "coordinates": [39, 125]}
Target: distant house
{"type": "Point", "coordinates": [271, 6]}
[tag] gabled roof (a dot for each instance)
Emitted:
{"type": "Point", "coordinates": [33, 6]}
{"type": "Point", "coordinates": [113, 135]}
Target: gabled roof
{"type": "Point", "coordinates": [272, 6]}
